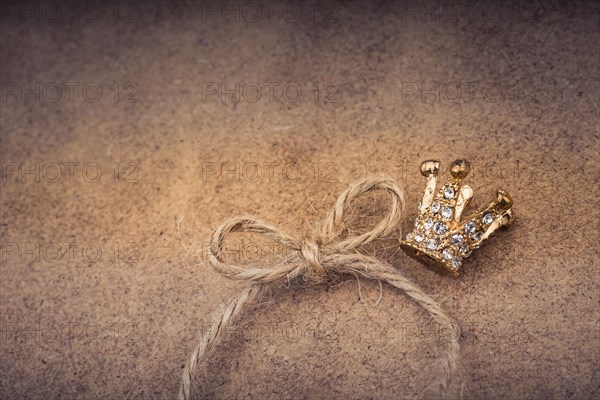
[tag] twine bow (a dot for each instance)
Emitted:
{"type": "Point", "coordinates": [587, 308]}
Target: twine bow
{"type": "Point", "coordinates": [317, 257]}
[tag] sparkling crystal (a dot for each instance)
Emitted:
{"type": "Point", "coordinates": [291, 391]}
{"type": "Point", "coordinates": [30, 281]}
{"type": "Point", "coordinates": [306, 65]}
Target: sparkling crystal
{"type": "Point", "coordinates": [440, 228]}
{"type": "Point", "coordinates": [476, 236]}
{"type": "Point", "coordinates": [465, 250]}
{"type": "Point", "coordinates": [418, 237]}
{"type": "Point", "coordinates": [435, 207]}
{"type": "Point", "coordinates": [428, 223]}
{"type": "Point", "coordinates": [457, 239]}
{"type": "Point", "coordinates": [470, 227]}
{"type": "Point", "coordinates": [448, 253]}
{"type": "Point", "coordinates": [446, 212]}
{"type": "Point", "coordinates": [456, 262]}
{"type": "Point", "coordinates": [432, 244]}
{"type": "Point", "coordinates": [417, 223]}
{"type": "Point", "coordinates": [488, 218]}
{"type": "Point", "coordinates": [449, 192]}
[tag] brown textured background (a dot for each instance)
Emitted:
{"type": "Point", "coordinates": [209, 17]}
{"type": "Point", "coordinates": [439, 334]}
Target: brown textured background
{"type": "Point", "coordinates": [122, 325]}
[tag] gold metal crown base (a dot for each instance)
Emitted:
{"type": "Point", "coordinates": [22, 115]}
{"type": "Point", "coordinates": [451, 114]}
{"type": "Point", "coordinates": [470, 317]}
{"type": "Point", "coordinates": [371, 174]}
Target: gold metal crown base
{"type": "Point", "coordinates": [427, 259]}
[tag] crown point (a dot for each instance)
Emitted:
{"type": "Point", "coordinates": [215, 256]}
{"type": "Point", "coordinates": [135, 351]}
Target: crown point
{"type": "Point", "coordinates": [430, 167]}
{"type": "Point", "coordinates": [503, 200]}
{"type": "Point", "coordinates": [459, 169]}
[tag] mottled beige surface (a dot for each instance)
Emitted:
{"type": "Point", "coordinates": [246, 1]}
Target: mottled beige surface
{"type": "Point", "coordinates": [122, 326]}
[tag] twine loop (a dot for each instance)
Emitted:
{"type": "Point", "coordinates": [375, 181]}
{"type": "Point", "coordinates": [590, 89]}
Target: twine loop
{"type": "Point", "coordinates": [318, 256]}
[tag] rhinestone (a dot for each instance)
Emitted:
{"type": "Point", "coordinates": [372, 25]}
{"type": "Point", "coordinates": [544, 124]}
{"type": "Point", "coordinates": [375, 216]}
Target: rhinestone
{"type": "Point", "coordinates": [435, 207]}
{"type": "Point", "coordinates": [449, 192]}
{"type": "Point", "coordinates": [476, 236]}
{"type": "Point", "coordinates": [465, 250]}
{"type": "Point", "coordinates": [439, 228]}
{"type": "Point", "coordinates": [457, 239]}
{"type": "Point", "coordinates": [417, 223]}
{"type": "Point", "coordinates": [428, 223]}
{"type": "Point", "coordinates": [418, 237]}
{"type": "Point", "coordinates": [432, 244]}
{"type": "Point", "coordinates": [456, 262]}
{"type": "Point", "coordinates": [446, 212]}
{"type": "Point", "coordinates": [448, 253]}
{"type": "Point", "coordinates": [488, 218]}
{"type": "Point", "coordinates": [470, 227]}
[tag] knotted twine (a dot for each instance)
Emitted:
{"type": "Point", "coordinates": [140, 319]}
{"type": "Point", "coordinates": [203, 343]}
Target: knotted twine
{"type": "Point", "coordinates": [318, 257]}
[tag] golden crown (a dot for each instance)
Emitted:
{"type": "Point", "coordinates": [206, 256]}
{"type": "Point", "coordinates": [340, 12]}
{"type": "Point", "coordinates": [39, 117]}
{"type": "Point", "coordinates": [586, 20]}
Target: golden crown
{"type": "Point", "coordinates": [440, 238]}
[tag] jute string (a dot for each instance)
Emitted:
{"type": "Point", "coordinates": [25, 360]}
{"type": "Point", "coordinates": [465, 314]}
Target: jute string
{"type": "Point", "coordinates": [318, 257]}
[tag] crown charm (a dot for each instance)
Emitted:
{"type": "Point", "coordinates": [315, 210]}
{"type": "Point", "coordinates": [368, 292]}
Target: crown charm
{"type": "Point", "coordinates": [440, 238]}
